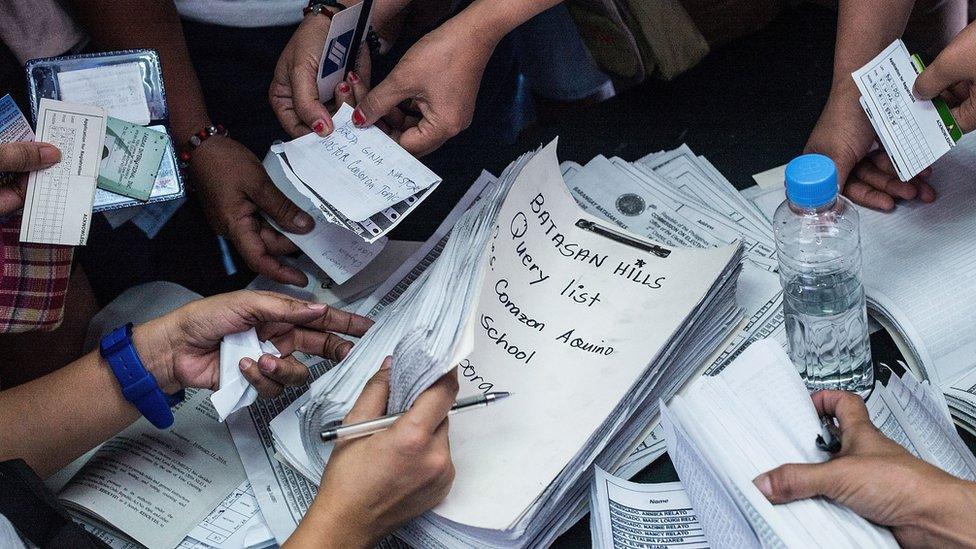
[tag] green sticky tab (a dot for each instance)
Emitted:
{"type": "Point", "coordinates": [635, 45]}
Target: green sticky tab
{"type": "Point", "coordinates": [917, 61]}
{"type": "Point", "coordinates": [950, 123]}
{"type": "Point", "coordinates": [940, 105]}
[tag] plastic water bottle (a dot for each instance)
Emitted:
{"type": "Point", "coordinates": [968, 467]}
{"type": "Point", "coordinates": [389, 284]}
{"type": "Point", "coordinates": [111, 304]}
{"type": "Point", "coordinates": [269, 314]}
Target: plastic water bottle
{"type": "Point", "coordinates": [818, 244]}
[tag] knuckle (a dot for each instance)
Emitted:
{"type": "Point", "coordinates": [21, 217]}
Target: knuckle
{"type": "Point", "coordinates": [412, 440]}
{"type": "Point", "coordinates": [439, 466]}
{"type": "Point", "coordinates": [14, 158]}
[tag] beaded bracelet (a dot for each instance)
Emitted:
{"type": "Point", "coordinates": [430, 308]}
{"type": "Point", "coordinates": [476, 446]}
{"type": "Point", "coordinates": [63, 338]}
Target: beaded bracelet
{"type": "Point", "coordinates": [197, 139]}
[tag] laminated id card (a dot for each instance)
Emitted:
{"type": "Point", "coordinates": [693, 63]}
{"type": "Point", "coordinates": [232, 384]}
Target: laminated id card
{"type": "Point", "coordinates": [128, 85]}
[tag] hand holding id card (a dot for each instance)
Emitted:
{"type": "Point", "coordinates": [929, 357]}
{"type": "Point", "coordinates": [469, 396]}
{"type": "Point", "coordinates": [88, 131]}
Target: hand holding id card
{"type": "Point", "coordinates": [914, 132]}
{"type": "Point", "coordinates": [346, 36]}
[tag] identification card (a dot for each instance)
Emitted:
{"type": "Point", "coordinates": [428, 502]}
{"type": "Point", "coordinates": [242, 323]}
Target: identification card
{"type": "Point", "coordinates": [346, 34]}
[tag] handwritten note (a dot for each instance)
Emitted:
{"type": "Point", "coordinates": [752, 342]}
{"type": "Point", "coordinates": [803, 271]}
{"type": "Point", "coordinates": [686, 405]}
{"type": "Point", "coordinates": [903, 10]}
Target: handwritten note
{"type": "Point", "coordinates": [118, 89]}
{"type": "Point", "coordinates": [567, 319]}
{"type": "Point", "coordinates": [360, 172]}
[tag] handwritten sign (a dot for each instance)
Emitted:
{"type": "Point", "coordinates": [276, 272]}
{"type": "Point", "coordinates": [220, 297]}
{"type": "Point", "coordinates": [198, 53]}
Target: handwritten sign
{"type": "Point", "coordinates": [568, 319]}
{"type": "Point", "coordinates": [358, 171]}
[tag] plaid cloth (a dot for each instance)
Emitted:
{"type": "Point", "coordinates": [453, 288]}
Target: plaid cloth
{"type": "Point", "coordinates": [33, 281]}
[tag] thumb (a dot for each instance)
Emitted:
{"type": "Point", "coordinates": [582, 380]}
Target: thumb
{"type": "Point", "coordinates": [372, 401]}
{"type": "Point", "coordinates": [27, 156]}
{"type": "Point", "coordinates": [378, 102]}
{"type": "Point", "coordinates": [795, 481]}
{"type": "Point", "coordinates": [949, 67]}
{"type": "Point", "coordinates": [283, 211]}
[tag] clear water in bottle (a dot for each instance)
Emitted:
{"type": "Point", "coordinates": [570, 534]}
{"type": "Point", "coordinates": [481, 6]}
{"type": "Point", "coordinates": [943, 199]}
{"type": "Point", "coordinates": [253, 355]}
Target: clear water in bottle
{"type": "Point", "coordinates": [818, 247]}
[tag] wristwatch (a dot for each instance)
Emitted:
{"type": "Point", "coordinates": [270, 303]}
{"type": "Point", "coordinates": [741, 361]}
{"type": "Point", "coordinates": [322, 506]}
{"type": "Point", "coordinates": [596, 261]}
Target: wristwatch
{"type": "Point", "coordinates": [138, 385]}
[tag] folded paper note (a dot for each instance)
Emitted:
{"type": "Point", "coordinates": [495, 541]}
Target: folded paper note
{"type": "Point", "coordinates": [235, 392]}
{"type": "Point", "coordinates": [359, 174]}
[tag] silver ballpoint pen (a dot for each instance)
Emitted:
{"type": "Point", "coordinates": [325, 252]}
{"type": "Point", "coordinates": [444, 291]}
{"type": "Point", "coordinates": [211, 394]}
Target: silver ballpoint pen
{"type": "Point", "coordinates": [366, 428]}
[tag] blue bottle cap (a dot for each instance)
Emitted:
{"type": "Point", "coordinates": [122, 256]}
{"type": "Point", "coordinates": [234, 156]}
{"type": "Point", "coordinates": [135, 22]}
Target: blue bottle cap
{"type": "Point", "coordinates": [811, 180]}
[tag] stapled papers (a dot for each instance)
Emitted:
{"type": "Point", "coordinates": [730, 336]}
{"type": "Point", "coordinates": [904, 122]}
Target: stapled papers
{"type": "Point", "coordinates": [359, 177]}
{"type": "Point", "coordinates": [357, 184]}
{"type": "Point", "coordinates": [914, 132]}
{"type": "Point", "coordinates": [58, 204]}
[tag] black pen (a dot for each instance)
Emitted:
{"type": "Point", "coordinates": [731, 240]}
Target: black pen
{"type": "Point", "coordinates": [829, 441]}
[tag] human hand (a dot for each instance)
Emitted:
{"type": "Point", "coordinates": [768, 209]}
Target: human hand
{"type": "Point", "coordinates": [294, 94]}
{"type": "Point", "coordinates": [182, 348]}
{"type": "Point", "coordinates": [235, 189]}
{"type": "Point", "coordinates": [22, 156]}
{"type": "Point", "coordinates": [844, 133]}
{"type": "Point", "coordinates": [374, 484]}
{"type": "Point", "coordinates": [440, 76]}
{"type": "Point", "coordinates": [953, 75]}
{"type": "Point", "coordinates": [879, 480]}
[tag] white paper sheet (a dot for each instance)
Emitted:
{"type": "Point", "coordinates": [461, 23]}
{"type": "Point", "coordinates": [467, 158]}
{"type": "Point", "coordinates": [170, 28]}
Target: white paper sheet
{"type": "Point", "coordinates": [58, 203]}
{"type": "Point", "coordinates": [628, 514]}
{"type": "Point", "coordinates": [119, 89]}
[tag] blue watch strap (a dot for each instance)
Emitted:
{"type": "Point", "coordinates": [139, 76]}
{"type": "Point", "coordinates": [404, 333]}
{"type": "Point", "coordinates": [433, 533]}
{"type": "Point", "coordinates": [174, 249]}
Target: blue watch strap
{"type": "Point", "coordinates": [138, 386]}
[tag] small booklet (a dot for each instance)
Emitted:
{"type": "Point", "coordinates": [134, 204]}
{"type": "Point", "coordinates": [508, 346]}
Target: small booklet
{"type": "Point", "coordinates": [58, 202]}
{"type": "Point", "coordinates": [914, 132]}
{"type": "Point", "coordinates": [157, 486]}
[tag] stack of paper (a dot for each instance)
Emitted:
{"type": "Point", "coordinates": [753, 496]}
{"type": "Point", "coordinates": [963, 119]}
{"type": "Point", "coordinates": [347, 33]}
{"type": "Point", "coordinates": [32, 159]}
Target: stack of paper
{"type": "Point", "coordinates": [587, 325]}
{"type": "Point", "coordinates": [755, 416]}
{"type": "Point", "coordinates": [728, 429]}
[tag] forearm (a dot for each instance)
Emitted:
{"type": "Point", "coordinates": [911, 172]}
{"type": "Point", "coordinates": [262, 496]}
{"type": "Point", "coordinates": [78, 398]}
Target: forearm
{"type": "Point", "coordinates": [321, 528]}
{"type": "Point", "coordinates": [123, 24]}
{"type": "Point", "coordinates": [864, 28]}
{"type": "Point", "coordinates": [51, 421]}
{"type": "Point", "coordinates": [493, 19]}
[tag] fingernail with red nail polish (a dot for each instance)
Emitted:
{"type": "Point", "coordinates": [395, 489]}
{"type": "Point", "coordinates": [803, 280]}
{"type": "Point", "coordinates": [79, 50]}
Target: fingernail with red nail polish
{"type": "Point", "coordinates": [318, 127]}
{"type": "Point", "coordinates": [344, 88]}
{"type": "Point", "coordinates": [358, 118]}
{"type": "Point", "coordinates": [353, 77]}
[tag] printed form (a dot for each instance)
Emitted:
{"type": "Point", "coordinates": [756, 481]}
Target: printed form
{"type": "Point", "coordinates": [630, 514]}
{"type": "Point", "coordinates": [913, 131]}
{"type": "Point", "coordinates": [58, 203]}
